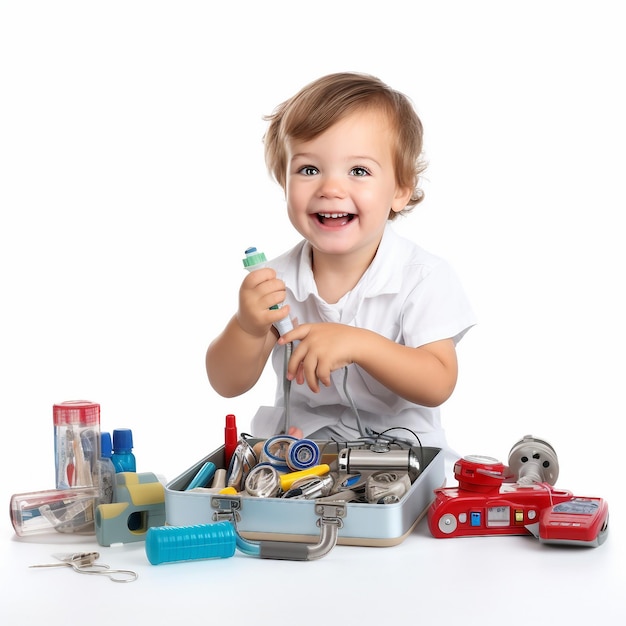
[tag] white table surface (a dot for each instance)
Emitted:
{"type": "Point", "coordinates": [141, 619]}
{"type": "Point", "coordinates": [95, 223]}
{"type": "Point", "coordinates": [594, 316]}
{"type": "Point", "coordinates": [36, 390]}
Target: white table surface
{"type": "Point", "coordinates": [480, 580]}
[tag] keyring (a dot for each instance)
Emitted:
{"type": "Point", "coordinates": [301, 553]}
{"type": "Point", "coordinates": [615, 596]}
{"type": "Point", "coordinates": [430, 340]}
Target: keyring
{"type": "Point", "coordinates": [104, 570]}
{"type": "Point", "coordinates": [85, 563]}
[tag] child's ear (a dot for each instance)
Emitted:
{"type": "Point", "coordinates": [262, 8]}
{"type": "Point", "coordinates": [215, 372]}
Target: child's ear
{"type": "Point", "coordinates": [401, 198]}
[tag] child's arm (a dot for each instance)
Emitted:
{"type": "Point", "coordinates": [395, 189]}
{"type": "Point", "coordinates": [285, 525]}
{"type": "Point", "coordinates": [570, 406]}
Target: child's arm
{"type": "Point", "coordinates": [426, 375]}
{"type": "Point", "coordinates": [236, 358]}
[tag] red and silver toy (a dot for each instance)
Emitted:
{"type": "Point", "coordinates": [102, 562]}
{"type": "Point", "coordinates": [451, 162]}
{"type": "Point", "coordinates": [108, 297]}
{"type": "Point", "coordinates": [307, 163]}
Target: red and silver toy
{"type": "Point", "coordinates": [518, 499]}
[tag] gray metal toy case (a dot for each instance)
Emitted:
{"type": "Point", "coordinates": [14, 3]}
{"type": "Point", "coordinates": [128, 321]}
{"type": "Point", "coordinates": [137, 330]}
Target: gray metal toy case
{"type": "Point", "coordinates": [295, 520]}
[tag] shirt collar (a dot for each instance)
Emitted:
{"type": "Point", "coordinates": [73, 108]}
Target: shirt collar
{"type": "Point", "coordinates": [383, 276]}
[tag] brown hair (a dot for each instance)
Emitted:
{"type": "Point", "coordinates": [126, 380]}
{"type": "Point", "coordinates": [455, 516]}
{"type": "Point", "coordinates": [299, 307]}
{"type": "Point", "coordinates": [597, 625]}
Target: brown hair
{"type": "Point", "coordinates": [325, 101]}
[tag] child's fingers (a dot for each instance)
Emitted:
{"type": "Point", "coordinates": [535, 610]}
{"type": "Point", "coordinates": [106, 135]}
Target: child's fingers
{"type": "Point", "coordinates": [300, 374]}
{"type": "Point", "coordinates": [296, 432]}
{"type": "Point", "coordinates": [257, 277]}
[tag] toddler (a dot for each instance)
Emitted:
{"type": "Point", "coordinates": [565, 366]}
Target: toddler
{"type": "Point", "coordinates": [376, 317]}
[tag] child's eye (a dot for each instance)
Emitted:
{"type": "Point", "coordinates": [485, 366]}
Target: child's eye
{"type": "Point", "coordinates": [359, 171]}
{"type": "Point", "coordinates": [308, 170]}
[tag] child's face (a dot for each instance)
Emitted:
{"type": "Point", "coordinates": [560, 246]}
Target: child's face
{"type": "Point", "coordinates": [341, 185]}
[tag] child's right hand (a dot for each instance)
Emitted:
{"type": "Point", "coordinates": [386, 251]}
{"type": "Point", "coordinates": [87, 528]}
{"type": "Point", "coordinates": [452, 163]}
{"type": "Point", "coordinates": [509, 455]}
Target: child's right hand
{"type": "Point", "coordinates": [259, 291]}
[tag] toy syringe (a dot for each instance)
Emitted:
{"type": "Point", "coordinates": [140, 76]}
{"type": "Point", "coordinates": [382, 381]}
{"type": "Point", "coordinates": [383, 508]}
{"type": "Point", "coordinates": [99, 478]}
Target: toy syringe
{"type": "Point", "coordinates": [255, 260]}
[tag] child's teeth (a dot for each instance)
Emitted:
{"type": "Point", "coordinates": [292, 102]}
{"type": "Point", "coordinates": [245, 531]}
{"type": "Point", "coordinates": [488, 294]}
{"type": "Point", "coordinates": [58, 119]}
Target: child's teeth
{"type": "Point", "coordinates": [334, 215]}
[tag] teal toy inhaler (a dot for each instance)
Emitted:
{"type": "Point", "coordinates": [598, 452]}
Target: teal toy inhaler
{"type": "Point", "coordinates": [255, 260]}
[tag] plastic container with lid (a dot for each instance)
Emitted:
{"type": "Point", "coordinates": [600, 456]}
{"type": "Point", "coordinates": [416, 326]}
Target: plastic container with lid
{"type": "Point", "coordinates": [60, 510]}
{"type": "Point", "coordinates": [76, 443]}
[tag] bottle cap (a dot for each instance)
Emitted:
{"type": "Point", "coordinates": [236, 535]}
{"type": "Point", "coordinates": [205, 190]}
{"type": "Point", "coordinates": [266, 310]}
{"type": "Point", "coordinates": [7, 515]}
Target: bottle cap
{"type": "Point", "coordinates": [122, 439]}
{"type": "Point", "coordinates": [79, 412]}
{"type": "Point", "coordinates": [253, 257]}
{"type": "Point", "coordinates": [106, 448]}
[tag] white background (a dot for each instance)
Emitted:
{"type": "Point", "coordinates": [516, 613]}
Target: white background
{"type": "Point", "coordinates": [132, 179]}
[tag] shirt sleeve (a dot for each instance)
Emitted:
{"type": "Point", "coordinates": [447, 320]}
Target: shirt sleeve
{"type": "Point", "coordinates": [436, 307]}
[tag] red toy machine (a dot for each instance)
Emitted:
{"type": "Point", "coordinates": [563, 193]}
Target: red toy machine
{"type": "Point", "coordinates": [493, 499]}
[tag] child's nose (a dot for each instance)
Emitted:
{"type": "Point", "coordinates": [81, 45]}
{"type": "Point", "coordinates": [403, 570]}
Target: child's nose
{"type": "Point", "coordinates": [331, 186]}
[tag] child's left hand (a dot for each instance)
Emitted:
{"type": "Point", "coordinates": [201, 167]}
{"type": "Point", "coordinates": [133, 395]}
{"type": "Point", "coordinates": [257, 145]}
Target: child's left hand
{"type": "Point", "coordinates": [321, 349]}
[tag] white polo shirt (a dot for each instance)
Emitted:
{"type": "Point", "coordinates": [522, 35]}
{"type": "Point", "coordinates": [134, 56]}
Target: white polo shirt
{"type": "Point", "coordinates": [407, 295]}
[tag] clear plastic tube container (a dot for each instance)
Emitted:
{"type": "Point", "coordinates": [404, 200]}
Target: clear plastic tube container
{"type": "Point", "coordinates": [76, 443]}
{"type": "Point", "coordinates": [60, 510]}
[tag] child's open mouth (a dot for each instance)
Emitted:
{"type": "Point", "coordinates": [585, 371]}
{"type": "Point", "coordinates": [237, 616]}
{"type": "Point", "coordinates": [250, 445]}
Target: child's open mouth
{"type": "Point", "coordinates": [335, 219]}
